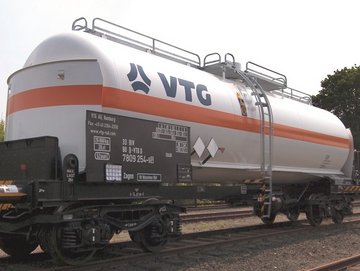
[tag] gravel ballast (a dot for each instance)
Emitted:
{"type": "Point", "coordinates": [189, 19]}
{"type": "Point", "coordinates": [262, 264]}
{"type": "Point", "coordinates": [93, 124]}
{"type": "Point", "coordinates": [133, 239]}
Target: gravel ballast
{"type": "Point", "coordinates": [297, 252]}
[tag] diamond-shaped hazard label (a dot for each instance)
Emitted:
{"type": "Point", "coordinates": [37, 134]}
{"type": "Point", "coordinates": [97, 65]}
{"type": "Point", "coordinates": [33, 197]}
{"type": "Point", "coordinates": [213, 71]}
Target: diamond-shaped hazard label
{"type": "Point", "coordinates": [199, 147]}
{"type": "Point", "coordinates": [212, 148]}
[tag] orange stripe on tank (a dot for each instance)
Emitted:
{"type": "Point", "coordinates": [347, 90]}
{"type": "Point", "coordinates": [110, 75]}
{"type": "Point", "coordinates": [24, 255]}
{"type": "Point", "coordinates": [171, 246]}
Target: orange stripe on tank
{"type": "Point", "coordinates": [310, 136]}
{"type": "Point", "coordinates": [136, 102]}
{"type": "Point", "coordinates": [55, 96]}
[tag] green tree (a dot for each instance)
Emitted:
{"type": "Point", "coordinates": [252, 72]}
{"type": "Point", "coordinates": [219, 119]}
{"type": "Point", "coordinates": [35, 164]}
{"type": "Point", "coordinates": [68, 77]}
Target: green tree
{"type": "Point", "coordinates": [340, 94]}
{"type": "Point", "coordinates": [2, 130]}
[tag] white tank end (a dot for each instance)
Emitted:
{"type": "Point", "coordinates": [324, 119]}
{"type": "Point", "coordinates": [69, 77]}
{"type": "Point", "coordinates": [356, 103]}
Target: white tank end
{"type": "Point", "coordinates": [348, 166]}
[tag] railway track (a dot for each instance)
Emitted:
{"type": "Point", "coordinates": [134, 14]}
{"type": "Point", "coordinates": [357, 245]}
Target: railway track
{"type": "Point", "coordinates": [220, 214]}
{"type": "Point", "coordinates": [349, 264]}
{"type": "Point", "coordinates": [128, 255]}
{"type": "Point", "coordinates": [208, 207]}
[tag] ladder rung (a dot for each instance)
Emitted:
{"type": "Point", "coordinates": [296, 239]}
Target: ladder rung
{"type": "Point", "coordinates": [259, 94]}
{"type": "Point", "coordinates": [262, 104]}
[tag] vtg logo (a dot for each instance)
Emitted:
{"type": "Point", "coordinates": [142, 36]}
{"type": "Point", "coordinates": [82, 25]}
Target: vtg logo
{"type": "Point", "coordinates": [138, 85]}
{"type": "Point", "coordinates": [170, 85]}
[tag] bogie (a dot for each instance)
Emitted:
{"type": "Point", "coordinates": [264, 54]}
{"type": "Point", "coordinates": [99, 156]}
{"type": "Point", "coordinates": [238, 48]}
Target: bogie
{"type": "Point", "coordinates": [62, 252]}
{"type": "Point", "coordinates": [314, 214]}
{"type": "Point", "coordinates": [293, 214]}
{"type": "Point", "coordinates": [337, 216]}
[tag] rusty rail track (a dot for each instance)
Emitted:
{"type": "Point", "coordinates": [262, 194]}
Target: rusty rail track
{"type": "Point", "coordinates": [217, 215]}
{"type": "Point", "coordinates": [221, 212]}
{"type": "Point", "coordinates": [343, 264]}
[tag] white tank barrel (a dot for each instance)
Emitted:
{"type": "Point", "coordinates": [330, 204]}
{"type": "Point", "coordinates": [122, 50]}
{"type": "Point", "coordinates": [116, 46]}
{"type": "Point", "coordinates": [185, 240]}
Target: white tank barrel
{"type": "Point", "coordinates": [70, 73]}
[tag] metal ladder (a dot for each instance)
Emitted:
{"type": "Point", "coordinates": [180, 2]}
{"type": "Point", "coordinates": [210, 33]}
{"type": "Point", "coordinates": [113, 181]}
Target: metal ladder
{"type": "Point", "coordinates": [266, 142]}
{"type": "Point", "coordinates": [230, 70]}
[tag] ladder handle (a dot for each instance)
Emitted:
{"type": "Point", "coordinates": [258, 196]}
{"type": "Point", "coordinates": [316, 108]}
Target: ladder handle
{"type": "Point", "coordinates": [78, 27]}
{"type": "Point", "coordinates": [233, 58]}
{"type": "Point", "coordinates": [218, 60]}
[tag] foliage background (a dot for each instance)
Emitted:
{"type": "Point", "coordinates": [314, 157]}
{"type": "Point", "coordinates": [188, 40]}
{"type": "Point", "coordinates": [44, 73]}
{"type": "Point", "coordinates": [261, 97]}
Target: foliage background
{"type": "Point", "coordinates": [340, 94]}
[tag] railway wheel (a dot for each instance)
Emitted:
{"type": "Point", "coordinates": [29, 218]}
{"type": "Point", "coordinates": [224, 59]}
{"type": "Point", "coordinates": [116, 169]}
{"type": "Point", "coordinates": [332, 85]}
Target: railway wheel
{"type": "Point", "coordinates": [43, 239]}
{"type": "Point", "coordinates": [314, 214]}
{"type": "Point", "coordinates": [337, 216]}
{"type": "Point", "coordinates": [152, 238]}
{"type": "Point", "coordinates": [65, 255]}
{"type": "Point", "coordinates": [293, 214]}
{"type": "Point", "coordinates": [17, 247]}
{"type": "Point", "coordinates": [268, 220]}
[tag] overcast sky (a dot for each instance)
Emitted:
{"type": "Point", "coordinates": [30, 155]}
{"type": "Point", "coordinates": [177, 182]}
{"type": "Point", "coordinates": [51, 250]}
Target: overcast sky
{"type": "Point", "coordinates": [304, 39]}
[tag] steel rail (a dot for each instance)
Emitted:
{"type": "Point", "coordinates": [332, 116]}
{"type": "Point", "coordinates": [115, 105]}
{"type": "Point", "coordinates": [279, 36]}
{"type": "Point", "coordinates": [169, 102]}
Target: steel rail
{"type": "Point", "coordinates": [342, 264]}
{"type": "Point", "coordinates": [226, 214]}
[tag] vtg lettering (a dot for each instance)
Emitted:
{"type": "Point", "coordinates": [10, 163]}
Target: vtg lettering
{"type": "Point", "coordinates": [171, 88]}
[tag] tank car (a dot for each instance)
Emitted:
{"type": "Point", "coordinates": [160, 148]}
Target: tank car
{"type": "Point", "coordinates": [122, 124]}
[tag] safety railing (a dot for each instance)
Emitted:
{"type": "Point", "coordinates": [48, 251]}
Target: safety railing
{"type": "Point", "coordinates": [276, 82]}
{"type": "Point", "coordinates": [294, 94]}
{"type": "Point", "coordinates": [123, 35]}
